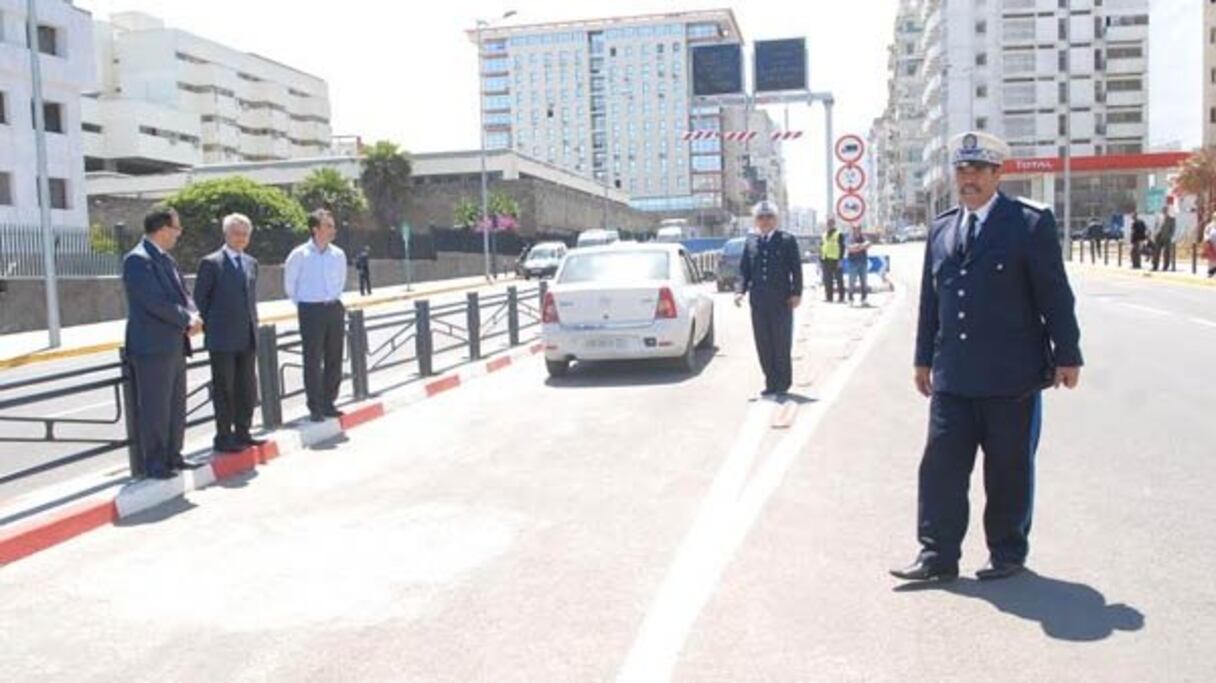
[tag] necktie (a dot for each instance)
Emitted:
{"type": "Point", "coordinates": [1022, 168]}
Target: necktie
{"type": "Point", "coordinates": [969, 241]}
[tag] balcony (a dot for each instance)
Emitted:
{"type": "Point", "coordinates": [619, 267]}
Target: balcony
{"type": "Point", "coordinates": [1125, 98]}
{"type": "Point", "coordinates": [1133, 66]}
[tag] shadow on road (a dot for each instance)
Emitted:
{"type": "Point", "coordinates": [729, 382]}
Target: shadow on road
{"type": "Point", "coordinates": [629, 373]}
{"type": "Point", "coordinates": [157, 514]}
{"type": "Point", "coordinates": [1065, 610]}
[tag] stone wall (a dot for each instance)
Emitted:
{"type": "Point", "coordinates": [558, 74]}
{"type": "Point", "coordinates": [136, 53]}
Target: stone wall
{"type": "Point", "coordinates": [85, 301]}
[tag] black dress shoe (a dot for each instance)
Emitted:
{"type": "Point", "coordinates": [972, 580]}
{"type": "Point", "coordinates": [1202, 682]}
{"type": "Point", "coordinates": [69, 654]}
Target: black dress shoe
{"type": "Point", "coordinates": [158, 474]}
{"type": "Point", "coordinates": [179, 464]}
{"type": "Point", "coordinates": [333, 412]}
{"type": "Point", "coordinates": [996, 569]}
{"type": "Point", "coordinates": [924, 570]}
{"type": "Point", "coordinates": [228, 446]}
{"type": "Point", "coordinates": [246, 440]}
{"type": "Point", "coordinates": [316, 417]}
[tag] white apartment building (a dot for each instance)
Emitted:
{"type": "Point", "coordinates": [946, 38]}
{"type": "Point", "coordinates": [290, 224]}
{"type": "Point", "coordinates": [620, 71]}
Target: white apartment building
{"type": "Point", "coordinates": [1209, 73]}
{"type": "Point", "coordinates": [166, 99]}
{"type": "Point", "coordinates": [65, 44]}
{"type": "Point", "coordinates": [610, 99]}
{"type": "Point", "coordinates": [1039, 73]}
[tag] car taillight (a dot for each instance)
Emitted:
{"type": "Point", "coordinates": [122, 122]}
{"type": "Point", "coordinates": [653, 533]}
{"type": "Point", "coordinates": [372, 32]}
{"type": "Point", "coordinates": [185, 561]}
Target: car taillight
{"type": "Point", "coordinates": [666, 309]}
{"type": "Point", "coordinates": [549, 314]}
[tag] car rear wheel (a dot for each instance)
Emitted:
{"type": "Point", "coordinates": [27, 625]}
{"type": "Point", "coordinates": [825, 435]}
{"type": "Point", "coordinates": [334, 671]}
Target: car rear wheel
{"type": "Point", "coordinates": [708, 341]}
{"type": "Point", "coordinates": [688, 362]}
{"type": "Point", "coordinates": [557, 368]}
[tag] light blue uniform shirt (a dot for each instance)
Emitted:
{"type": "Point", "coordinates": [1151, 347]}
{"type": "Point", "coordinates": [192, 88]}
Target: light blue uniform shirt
{"type": "Point", "coordinates": [315, 276]}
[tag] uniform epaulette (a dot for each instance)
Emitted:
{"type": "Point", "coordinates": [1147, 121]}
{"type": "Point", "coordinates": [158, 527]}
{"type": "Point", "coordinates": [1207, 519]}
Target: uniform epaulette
{"type": "Point", "coordinates": [1032, 204]}
{"type": "Point", "coordinates": [948, 212]}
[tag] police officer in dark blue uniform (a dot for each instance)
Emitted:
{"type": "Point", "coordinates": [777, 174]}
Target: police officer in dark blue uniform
{"type": "Point", "coordinates": [996, 327]}
{"type": "Point", "coordinates": [771, 273]}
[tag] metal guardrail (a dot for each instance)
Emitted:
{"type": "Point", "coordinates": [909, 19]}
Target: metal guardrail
{"type": "Point", "coordinates": [412, 335]}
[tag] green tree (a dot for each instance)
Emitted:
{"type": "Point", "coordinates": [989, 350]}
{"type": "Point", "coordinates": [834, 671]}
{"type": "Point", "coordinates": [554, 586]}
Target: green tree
{"type": "Point", "coordinates": [326, 188]}
{"type": "Point", "coordinates": [279, 221]}
{"type": "Point", "coordinates": [386, 182]}
{"type": "Point", "coordinates": [466, 213]}
{"type": "Point", "coordinates": [102, 240]}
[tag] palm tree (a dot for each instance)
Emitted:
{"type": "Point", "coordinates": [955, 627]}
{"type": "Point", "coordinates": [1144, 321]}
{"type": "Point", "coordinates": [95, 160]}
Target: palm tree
{"type": "Point", "coordinates": [326, 188]}
{"type": "Point", "coordinates": [386, 182]}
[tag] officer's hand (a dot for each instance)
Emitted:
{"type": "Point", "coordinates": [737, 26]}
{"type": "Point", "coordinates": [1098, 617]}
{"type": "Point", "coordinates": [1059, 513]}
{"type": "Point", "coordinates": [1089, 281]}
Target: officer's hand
{"type": "Point", "coordinates": [795, 301]}
{"type": "Point", "coordinates": [924, 381]}
{"type": "Point", "coordinates": [738, 300]}
{"type": "Point", "coordinates": [1069, 377]}
{"type": "Point", "coordinates": [196, 325]}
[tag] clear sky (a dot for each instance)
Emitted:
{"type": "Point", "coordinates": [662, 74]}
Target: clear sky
{"type": "Point", "coordinates": [404, 71]}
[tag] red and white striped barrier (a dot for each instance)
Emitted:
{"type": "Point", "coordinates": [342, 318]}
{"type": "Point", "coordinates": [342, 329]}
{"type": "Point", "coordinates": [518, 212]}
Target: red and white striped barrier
{"type": "Point", "coordinates": [700, 135]}
{"type": "Point", "coordinates": [786, 135]}
{"type": "Point", "coordinates": [739, 135]}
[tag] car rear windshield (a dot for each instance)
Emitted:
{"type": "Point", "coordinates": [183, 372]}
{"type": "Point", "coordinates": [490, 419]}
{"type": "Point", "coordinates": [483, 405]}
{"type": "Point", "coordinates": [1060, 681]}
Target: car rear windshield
{"type": "Point", "coordinates": [733, 247]}
{"type": "Point", "coordinates": [543, 253]}
{"type": "Point", "coordinates": [618, 266]}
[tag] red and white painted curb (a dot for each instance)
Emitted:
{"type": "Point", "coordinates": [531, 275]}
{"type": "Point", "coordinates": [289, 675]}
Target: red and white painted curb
{"type": "Point", "coordinates": [44, 530]}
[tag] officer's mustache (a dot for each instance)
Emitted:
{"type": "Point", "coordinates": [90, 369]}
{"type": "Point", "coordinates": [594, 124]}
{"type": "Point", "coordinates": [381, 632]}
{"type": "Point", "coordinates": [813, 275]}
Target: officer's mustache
{"type": "Point", "coordinates": [970, 188]}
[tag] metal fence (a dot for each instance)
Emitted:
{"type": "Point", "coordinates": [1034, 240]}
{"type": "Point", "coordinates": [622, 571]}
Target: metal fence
{"type": "Point", "coordinates": [415, 336]}
{"type": "Point", "coordinates": [79, 252]}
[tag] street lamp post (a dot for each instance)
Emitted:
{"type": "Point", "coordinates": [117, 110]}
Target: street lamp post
{"type": "Point", "coordinates": [44, 189]}
{"type": "Point", "coordinates": [481, 122]}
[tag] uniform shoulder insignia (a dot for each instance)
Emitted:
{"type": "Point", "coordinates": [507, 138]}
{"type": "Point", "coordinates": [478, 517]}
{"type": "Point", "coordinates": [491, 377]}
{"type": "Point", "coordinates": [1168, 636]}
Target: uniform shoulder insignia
{"type": "Point", "coordinates": [1031, 204]}
{"type": "Point", "coordinates": [948, 212]}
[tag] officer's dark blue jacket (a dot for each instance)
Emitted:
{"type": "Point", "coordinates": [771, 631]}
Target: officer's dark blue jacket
{"type": "Point", "coordinates": [998, 324]}
{"type": "Point", "coordinates": [158, 313]}
{"type": "Point", "coordinates": [771, 270]}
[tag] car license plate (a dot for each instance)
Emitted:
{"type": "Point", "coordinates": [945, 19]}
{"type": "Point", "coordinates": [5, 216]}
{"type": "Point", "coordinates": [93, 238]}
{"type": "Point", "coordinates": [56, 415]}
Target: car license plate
{"type": "Point", "coordinates": [600, 343]}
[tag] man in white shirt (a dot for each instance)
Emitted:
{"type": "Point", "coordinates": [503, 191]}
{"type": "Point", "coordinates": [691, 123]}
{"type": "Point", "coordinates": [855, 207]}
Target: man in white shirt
{"type": "Point", "coordinates": [314, 277]}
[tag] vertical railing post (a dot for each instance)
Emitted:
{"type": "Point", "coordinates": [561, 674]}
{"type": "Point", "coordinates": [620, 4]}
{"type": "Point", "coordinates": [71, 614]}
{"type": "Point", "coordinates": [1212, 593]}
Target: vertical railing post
{"type": "Point", "coordinates": [268, 377]}
{"type": "Point", "coordinates": [473, 321]}
{"type": "Point", "coordinates": [1119, 263]}
{"type": "Point", "coordinates": [130, 407]}
{"type": "Point", "coordinates": [513, 315]}
{"type": "Point", "coordinates": [356, 339]}
{"type": "Point", "coordinates": [544, 289]}
{"type": "Point", "coordinates": [1195, 258]}
{"type": "Point", "coordinates": [1106, 252]}
{"type": "Point", "coordinates": [422, 337]}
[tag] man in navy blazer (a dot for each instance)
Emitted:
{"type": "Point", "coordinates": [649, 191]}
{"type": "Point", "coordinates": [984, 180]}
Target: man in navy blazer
{"type": "Point", "coordinates": [997, 325]}
{"type": "Point", "coordinates": [160, 319]}
{"type": "Point", "coordinates": [226, 294]}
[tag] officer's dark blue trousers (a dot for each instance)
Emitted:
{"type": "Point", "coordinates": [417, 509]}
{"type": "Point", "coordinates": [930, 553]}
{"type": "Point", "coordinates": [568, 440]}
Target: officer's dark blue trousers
{"type": "Point", "coordinates": [773, 329]}
{"type": "Point", "coordinates": [1007, 429]}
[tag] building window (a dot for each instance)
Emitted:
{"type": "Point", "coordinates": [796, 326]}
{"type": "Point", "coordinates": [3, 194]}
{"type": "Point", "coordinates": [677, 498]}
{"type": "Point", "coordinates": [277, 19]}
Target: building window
{"type": "Point", "coordinates": [981, 28]}
{"type": "Point", "coordinates": [3, 109]}
{"type": "Point", "coordinates": [1127, 85]}
{"type": "Point", "coordinates": [6, 189]}
{"type": "Point", "coordinates": [1212, 115]}
{"type": "Point", "coordinates": [59, 193]}
{"type": "Point", "coordinates": [981, 91]}
{"type": "Point", "coordinates": [52, 116]}
{"type": "Point", "coordinates": [981, 59]}
{"type": "Point", "coordinates": [981, 123]}
{"type": "Point", "coordinates": [1063, 92]}
{"type": "Point", "coordinates": [48, 40]}
{"type": "Point", "coordinates": [1125, 116]}
{"type": "Point", "coordinates": [1125, 52]}
{"type": "Point", "coordinates": [91, 128]}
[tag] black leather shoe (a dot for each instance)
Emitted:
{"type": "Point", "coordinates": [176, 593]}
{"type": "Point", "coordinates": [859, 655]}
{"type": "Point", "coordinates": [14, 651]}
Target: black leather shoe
{"type": "Point", "coordinates": [231, 445]}
{"type": "Point", "coordinates": [996, 569]}
{"type": "Point", "coordinates": [333, 412]}
{"type": "Point", "coordinates": [923, 570]}
{"type": "Point", "coordinates": [246, 440]}
{"type": "Point", "coordinates": [158, 474]}
{"type": "Point", "coordinates": [180, 463]}
{"type": "Point", "coordinates": [316, 417]}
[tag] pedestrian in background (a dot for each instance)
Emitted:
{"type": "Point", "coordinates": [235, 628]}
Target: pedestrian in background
{"type": "Point", "coordinates": [770, 273]}
{"type": "Point", "coordinates": [830, 254]}
{"type": "Point", "coordinates": [1209, 247]}
{"type": "Point", "coordinates": [226, 293]}
{"type": "Point", "coordinates": [1163, 242]}
{"type": "Point", "coordinates": [996, 326]}
{"type": "Point", "coordinates": [161, 317]}
{"type": "Point", "coordinates": [314, 277]}
{"type": "Point", "coordinates": [363, 266]}
{"type": "Point", "coordinates": [859, 263]}
{"type": "Point", "coordinates": [1094, 233]}
{"type": "Point", "coordinates": [1139, 239]}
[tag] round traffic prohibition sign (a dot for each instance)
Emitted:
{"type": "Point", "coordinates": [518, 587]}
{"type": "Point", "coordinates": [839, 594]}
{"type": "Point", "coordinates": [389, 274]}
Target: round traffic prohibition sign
{"type": "Point", "coordinates": [850, 148]}
{"type": "Point", "coordinates": [850, 208]}
{"type": "Point", "coordinates": [850, 178]}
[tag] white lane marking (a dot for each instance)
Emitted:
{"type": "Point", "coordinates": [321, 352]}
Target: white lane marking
{"type": "Point", "coordinates": [1201, 321]}
{"type": "Point", "coordinates": [726, 516]}
{"type": "Point", "coordinates": [1146, 309]}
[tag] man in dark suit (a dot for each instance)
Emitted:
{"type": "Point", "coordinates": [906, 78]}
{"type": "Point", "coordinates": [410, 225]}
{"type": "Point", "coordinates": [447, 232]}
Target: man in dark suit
{"type": "Point", "coordinates": [226, 295]}
{"type": "Point", "coordinates": [996, 327]}
{"type": "Point", "coordinates": [1139, 239]}
{"type": "Point", "coordinates": [160, 319]}
{"type": "Point", "coordinates": [363, 266]}
{"type": "Point", "coordinates": [771, 274]}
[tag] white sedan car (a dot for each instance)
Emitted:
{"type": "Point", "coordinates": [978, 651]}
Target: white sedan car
{"type": "Point", "coordinates": [622, 302]}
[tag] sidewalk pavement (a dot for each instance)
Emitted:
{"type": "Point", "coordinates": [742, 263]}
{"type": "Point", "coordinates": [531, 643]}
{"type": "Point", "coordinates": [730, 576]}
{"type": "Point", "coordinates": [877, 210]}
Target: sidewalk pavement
{"type": "Point", "coordinates": [1180, 276]}
{"type": "Point", "coordinates": [25, 348]}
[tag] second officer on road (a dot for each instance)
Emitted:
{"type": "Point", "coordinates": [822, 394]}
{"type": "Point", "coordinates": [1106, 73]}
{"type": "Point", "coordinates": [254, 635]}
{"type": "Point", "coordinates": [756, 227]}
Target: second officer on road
{"type": "Point", "coordinates": [771, 274]}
